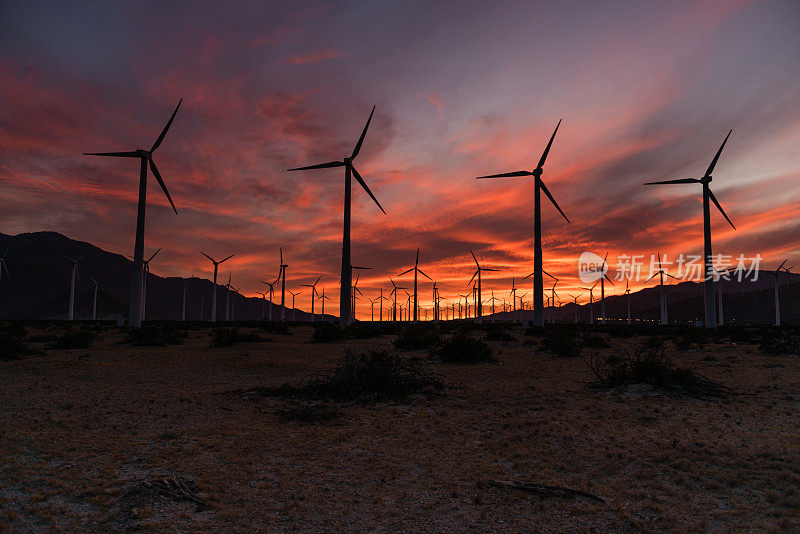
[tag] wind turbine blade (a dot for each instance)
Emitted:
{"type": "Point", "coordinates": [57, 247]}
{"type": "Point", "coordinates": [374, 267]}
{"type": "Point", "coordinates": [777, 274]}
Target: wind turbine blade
{"type": "Point", "coordinates": [716, 157]}
{"type": "Point", "coordinates": [547, 192]}
{"type": "Point", "coordinates": [114, 154]}
{"type": "Point", "coordinates": [547, 149]}
{"type": "Point", "coordinates": [405, 272]}
{"type": "Point", "coordinates": [607, 278]}
{"type": "Point", "coordinates": [161, 183]}
{"type": "Point", "coordinates": [506, 175]}
{"type": "Point", "coordinates": [320, 166]}
{"type": "Point", "coordinates": [207, 256]}
{"type": "Point", "coordinates": [281, 255]}
{"type": "Point", "coordinates": [678, 181]}
{"type": "Point", "coordinates": [782, 264]}
{"type": "Point", "coordinates": [318, 278]}
{"type": "Point", "coordinates": [548, 274]}
{"type": "Point", "coordinates": [654, 275]}
{"type": "Point", "coordinates": [359, 291]}
{"type": "Point", "coordinates": [488, 269]}
{"type": "Point", "coordinates": [719, 207]}
{"type": "Point", "coordinates": [476, 259]}
{"type": "Point", "coordinates": [6, 269]}
{"type": "Point", "coordinates": [229, 257]}
{"type": "Point", "coordinates": [673, 277]}
{"type": "Point", "coordinates": [473, 277]}
{"type": "Point", "coordinates": [364, 185]}
{"type": "Point", "coordinates": [363, 135]}
{"type": "Point", "coordinates": [363, 268]}
{"type": "Point", "coordinates": [154, 254]}
{"type": "Point", "coordinates": [164, 131]}
{"type": "Point", "coordinates": [416, 262]}
{"type": "Point", "coordinates": [526, 277]}
{"type": "Point", "coordinates": [425, 275]}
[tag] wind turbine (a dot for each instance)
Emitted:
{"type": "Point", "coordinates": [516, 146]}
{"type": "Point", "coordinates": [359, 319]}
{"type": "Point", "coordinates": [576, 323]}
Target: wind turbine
{"type": "Point", "coordinates": [603, 278]}
{"type": "Point", "coordinates": [323, 298]}
{"type": "Point", "coordinates": [538, 186]}
{"type": "Point", "coordinates": [513, 293]}
{"type": "Point", "coordinates": [591, 301]}
{"type": "Point", "coordinates": [282, 277]}
{"type": "Point", "coordinates": [662, 292]}
{"type": "Point", "coordinates": [145, 272]}
{"type": "Point", "coordinates": [777, 295]}
{"type": "Point", "coordinates": [416, 270]}
{"type": "Point", "coordinates": [534, 292]}
{"type": "Point", "coordinates": [628, 295]}
{"type": "Point", "coordinates": [71, 311]}
{"type": "Point", "coordinates": [214, 286]}
{"type": "Point", "coordinates": [354, 289]}
{"type": "Point", "coordinates": [708, 282]}
{"type": "Point", "coordinates": [228, 298]}
{"type": "Point", "coordinates": [94, 299]}
{"type": "Point", "coordinates": [575, 300]}
{"type": "Point", "coordinates": [293, 294]}
{"type": "Point", "coordinates": [408, 306]}
{"type": "Point", "coordinates": [394, 292]}
{"type": "Point", "coordinates": [381, 298]}
{"type": "Point", "coordinates": [145, 158]}
{"type": "Point", "coordinates": [271, 293]}
{"type": "Point", "coordinates": [478, 302]}
{"type": "Point", "coordinates": [264, 299]}
{"type": "Point", "coordinates": [347, 163]}
{"type": "Point", "coordinates": [313, 296]}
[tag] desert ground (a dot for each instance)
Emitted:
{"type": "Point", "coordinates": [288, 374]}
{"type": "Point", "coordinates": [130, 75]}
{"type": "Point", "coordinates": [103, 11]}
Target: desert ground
{"type": "Point", "coordinates": [115, 437]}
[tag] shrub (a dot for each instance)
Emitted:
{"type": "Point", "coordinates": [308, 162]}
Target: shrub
{"type": "Point", "coordinates": [594, 341]}
{"type": "Point", "coordinates": [463, 348]}
{"type": "Point", "coordinates": [11, 345]}
{"type": "Point", "coordinates": [780, 343]}
{"type": "Point", "coordinates": [275, 327]}
{"type": "Point", "coordinates": [496, 332]}
{"type": "Point", "coordinates": [327, 332]}
{"type": "Point", "coordinates": [72, 339]}
{"type": "Point", "coordinates": [364, 330]}
{"type": "Point", "coordinates": [153, 336]}
{"type": "Point", "coordinates": [648, 365]}
{"type": "Point", "coordinates": [417, 336]}
{"type": "Point", "coordinates": [562, 342]}
{"type": "Point", "coordinates": [375, 375]}
{"type": "Point", "coordinates": [225, 337]}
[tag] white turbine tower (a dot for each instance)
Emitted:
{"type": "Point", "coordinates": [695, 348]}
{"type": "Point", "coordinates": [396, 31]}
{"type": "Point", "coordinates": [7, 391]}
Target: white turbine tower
{"type": "Point", "coordinates": [71, 311]}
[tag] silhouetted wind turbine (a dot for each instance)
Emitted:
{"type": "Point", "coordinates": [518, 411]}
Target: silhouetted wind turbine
{"type": "Point", "coordinates": [478, 303]}
{"type": "Point", "coordinates": [514, 300]}
{"type": "Point", "coordinates": [416, 270]}
{"type": "Point", "coordinates": [314, 295]}
{"type": "Point", "coordinates": [3, 266]}
{"type": "Point", "coordinates": [228, 298]}
{"type": "Point", "coordinates": [708, 283]}
{"type": "Point", "coordinates": [71, 311]}
{"type": "Point", "coordinates": [575, 300]}
{"type": "Point", "coordinates": [538, 186]}
{"type": "Point", "coordinates": [534, 287]}
{"type": "Point", "coordinates": [603, 279]}
{"type": "Point", "coordinates": [271, 286]}
{"type": "Point", "coordinates": [395, 287]}
{"type": "Point", "coordinates": [146, 158]}
{"type": "Point", "coordinates": [323, 298]}
{"type": "Point", "coordinates": [775, 273]}
{"type": "Point", "coordinates": [94, 298]}
{"type": "Point", "coordinates": [347, 163]}
{"type": "Point", "coordinates": [293, 294]}
{"type": "Point", "coordinates": [264, 299]}
{"type": "Point", "coordinates": [662, 292]}
{"type": "Point", "coordinates": [145, 272]}
{"type": "Point", "coordinates": [214, 286]}
{"type": "Point", "coordinates": [628, 295]}
{"type": "Point", "coordinates": [282, 276]}
{"type": "Point", "coordinates": [591, 301]}
{"type": "Point", "coordinates": [353, 308]}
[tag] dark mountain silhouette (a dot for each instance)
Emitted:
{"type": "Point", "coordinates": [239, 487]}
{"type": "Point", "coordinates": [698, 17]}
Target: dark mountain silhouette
{"type": "Point", "coordinates": [39, 289]}
{"type": "Point", "coordinates": [40, 282]}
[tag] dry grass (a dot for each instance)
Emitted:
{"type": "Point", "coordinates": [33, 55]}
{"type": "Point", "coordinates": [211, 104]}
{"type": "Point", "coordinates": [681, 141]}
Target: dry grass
{"type": "Point", "coordinates": [82, 433]}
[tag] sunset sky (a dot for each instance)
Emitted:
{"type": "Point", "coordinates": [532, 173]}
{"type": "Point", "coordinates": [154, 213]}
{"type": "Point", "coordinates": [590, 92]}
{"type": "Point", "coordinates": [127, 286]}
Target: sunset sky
{"type": "Point", "coordinates": [647, 91]}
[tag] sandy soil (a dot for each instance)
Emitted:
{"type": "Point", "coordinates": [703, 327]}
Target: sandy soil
{"type": "Point", "coordinates": [81, 431]}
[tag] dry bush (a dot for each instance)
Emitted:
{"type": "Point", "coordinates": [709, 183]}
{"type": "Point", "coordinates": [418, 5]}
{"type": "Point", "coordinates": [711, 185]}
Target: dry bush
{"type": "Point", "coordinates": [649, 364]}
{"type": "Point", "coordinates": [463, 348]}
{"type": "Point", "coordinates": [417, 336]}
{"type": "Point", "coordinates": [376, 375]}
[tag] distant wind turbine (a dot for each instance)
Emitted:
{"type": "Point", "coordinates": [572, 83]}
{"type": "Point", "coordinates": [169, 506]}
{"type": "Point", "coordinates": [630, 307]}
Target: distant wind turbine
{"type": "Point", "coordinates": [314, 295]}
{"type": "Point", "coordinates": [214, 286]}
{"type": "Point", "coordinates": [662, 291]}
{"type": "Point", "coordinates": [708, 282]}
{"type": "Point", "coordinates": [71, 311]}
{"type": "Point", "coordinates": [591, 301]}
{"type": "Point", "coordinates": [395, 287]}
{"type": "Point", "coordinates": [478, 302]}
{"type": "Point", "coordinates": [417, 271]}
{"type": "Point", "coordinates": [293, 294]}
{"type": "Point", "coordinates": [282, 276]}
{"type": "Point", "coordinates": [145, 272]}
{"type": "Point", "coordinates": [323, 298]}
{"type": "Point", "coordinates": [271, 286]}
{"type": "Point", "coordinates": [349, 169]}
{"type": "Point", "coordinates": [94, 298]}
{"type": "Point", "coordinates": [146, 158]}
{"type": "Point", "coordinates": [775, 273]}
{"type": "Point", "coordinates": [538, 186]}
{"type": "Point", "coordinates": [628, 295]}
